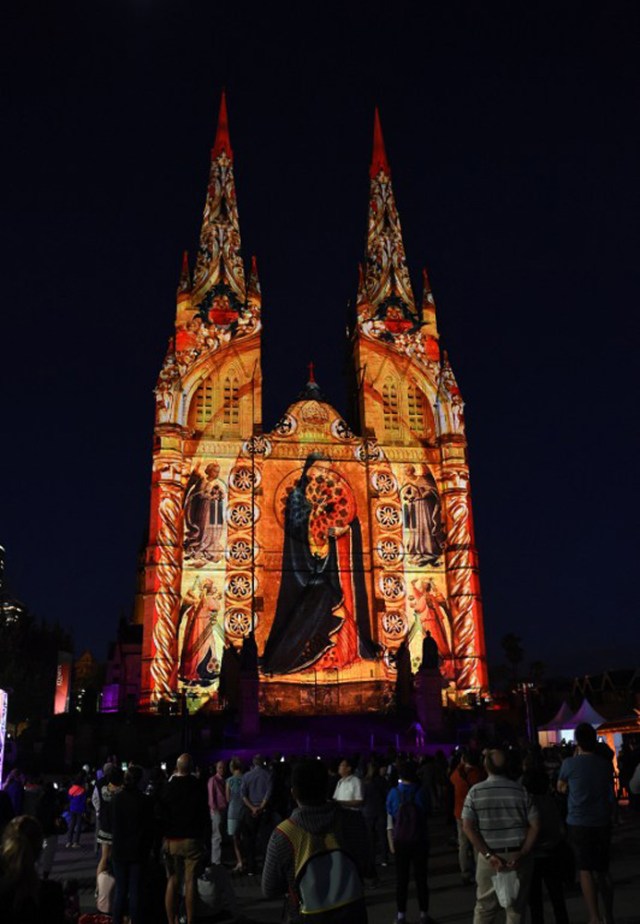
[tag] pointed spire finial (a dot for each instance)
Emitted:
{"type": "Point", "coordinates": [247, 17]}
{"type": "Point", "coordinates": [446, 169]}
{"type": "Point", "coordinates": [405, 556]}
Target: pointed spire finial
{"type": "Point", "coordinates": [312, 378]}
{"type": "Point", "coordinates": [379, 162]}
{"type": "Point", "coordinates": [222, 142]}
{"type": "Point", "coordinates": [184, 285]}
{"type": "Point", "coordinates": [254, 293]}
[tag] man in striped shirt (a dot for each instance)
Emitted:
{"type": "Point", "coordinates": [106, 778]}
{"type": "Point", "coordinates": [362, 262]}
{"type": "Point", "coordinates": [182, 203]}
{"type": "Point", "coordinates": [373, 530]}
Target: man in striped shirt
{"type": "Point", "coordinates": [500, 820]}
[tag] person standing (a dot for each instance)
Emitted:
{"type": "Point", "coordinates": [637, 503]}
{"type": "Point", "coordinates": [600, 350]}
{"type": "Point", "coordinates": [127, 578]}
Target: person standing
{"type": "Point", "coordinates": [549, 861]}
{"type": "Point", "coordinates": [500, 820]}
{"type": "Point", "coordinates": [587, 779]}
{"type": "Point", "coordinates": [217, 793]}
{"type": "Point", "coordinates": [185, 812]}
{"type": "Point", "coordinates": [315, 857]}
{"type": "Point", "coordinates": [77, 804]}
{"type": "Point", "coordinates": [132, 835]}
{"type": "Point", "coordinates": [407, 812]}
{"type": "Point", "coordinates": [256, 792]}
{"type": "Point", "coordinates": [349, 791]}
{"type": "Point", "coordinates": [234, 809]}
{"type": "Point", "coordinates": [114, 779]}
{"type": "Point", "coordinates": [374, 812]}
{"type": "Point", "coordinates": [463, 777]}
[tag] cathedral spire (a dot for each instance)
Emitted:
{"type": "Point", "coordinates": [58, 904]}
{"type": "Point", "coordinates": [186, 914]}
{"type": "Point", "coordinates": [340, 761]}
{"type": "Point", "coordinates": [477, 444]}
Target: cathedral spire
{"type": "Point", "coordinates": [387, 281]}
{"type": "Point", "coordinates": [379, 160]}
{"type": "Point", "coordinates": [222, 141]}
{"type": "Point", "coordinates": [428, 306]}
{"type": "Point", "coordinates": [184, 304]}
{"type": "Point", "coordinates": [219, 285]}
{"type": "Point", "coordinates": [254, 292]}
{"type": "Point", "coordinates": [184, 284]}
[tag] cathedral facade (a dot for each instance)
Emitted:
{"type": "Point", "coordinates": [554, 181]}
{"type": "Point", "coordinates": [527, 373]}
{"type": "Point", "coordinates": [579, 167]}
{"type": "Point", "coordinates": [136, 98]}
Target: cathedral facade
{"type": "Point", "coordinates": [328, 546]}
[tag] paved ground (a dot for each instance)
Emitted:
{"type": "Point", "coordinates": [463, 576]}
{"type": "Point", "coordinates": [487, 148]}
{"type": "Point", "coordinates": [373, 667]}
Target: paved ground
{"type": "Point", "coordinates": [451, 902]}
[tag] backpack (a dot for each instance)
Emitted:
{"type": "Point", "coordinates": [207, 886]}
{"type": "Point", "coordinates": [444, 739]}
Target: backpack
{"type": "Point", "coordinates": [408, 828]}
{"type": "Point", "coordinates": [326, 877]}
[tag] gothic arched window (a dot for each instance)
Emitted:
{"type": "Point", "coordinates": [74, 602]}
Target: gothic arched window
{"type": "Point", "coordinates": [391, 410]}
{"type": "Point", "coordinates": [415, 408]}
{"type": "Point", "coordinates": [202, 404]}
{"type": "Point", "coordinates": [231, 402]}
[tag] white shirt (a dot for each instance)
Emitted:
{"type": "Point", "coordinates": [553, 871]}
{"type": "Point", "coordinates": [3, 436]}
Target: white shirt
{"type": "Point", "coordinates": [349, 789]}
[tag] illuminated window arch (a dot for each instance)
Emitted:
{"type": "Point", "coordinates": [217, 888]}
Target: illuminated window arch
{"type": "Point", "coordinates": [231, 402]}
{"type": "Point", "coordinates": [416, 408]}
{"type": "Point", "coordinates": [202, 404]}
{"type": "Point", "coordinates": [391, 410]}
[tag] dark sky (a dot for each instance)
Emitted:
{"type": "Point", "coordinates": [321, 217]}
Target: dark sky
{"type": "Point", "coordinates": [514, 140]}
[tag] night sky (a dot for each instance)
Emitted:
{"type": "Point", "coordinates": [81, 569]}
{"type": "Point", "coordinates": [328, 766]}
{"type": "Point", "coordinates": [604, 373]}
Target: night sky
{"type": "Point", "coordinates": [514, 141]}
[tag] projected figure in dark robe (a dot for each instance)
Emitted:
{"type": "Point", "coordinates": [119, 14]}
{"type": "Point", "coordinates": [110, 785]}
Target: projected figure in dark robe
{"type": "Point", "coordinates": [433, 616]}
{"type": "Point", "coordinates": [322, 615]}
{"type": "Point", "coordinates": [204, 500]}
{"type": "Point", "coordinates": [201, 651]}
{"type": "Point", "coordinates": [422, 517]}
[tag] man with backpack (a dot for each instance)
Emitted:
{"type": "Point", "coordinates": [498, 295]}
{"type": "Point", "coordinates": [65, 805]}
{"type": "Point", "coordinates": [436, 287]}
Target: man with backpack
{"type": "Point", "coordinates": [316, 856]}
{"type": "Point", "coordinates": [407, 811]}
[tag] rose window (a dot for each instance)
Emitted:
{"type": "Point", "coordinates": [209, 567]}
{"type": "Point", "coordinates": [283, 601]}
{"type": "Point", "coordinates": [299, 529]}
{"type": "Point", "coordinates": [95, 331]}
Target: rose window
{"type": "Point", "coordinates": [244, 478]}
{"type": "Point", "coordinates": [369, 451]}
{"type": "Point", "coordinates": [258, 446]}
{"type": "Point", "coordinates": [286, 425]}
{"type": "Point", "coordinates": [388, 515]}
{"type": "Point", "coordinates": [341, 430]}
{"type": "Point", "coordinates": [238, 622]}
{"type": "Point", "coordinates": [392, 587]}
{"type": "Point", "coordinates": [384, 482]}
{"type": "Point", "coordinates": [394, 624]}
{"type": "Point", "coordinates": [239, 586]}
{"type": "Point", "coordinates": [389, 550]}
{"type": "Point", "coordinates": [240, 516]}
{"type": "Point", "coordinates": [240, 552]}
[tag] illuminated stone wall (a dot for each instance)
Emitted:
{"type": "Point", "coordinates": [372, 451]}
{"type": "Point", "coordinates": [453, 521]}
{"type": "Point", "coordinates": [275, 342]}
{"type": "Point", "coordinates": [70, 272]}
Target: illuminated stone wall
{"type": "Point", "coordinates": [331, 546]}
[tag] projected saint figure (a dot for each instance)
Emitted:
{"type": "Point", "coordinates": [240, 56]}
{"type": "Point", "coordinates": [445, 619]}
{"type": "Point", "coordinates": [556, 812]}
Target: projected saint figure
{"type": "Point", "coordinates": [204, 501]}
{"type": "Point", "coordinates": [322, 617]}
{"type": "Point", "coordinates": [432, 612]}
{"type": "Point", "coordinates": [201, 650]}
{"type": "Point", "coordinates": [422, 517]}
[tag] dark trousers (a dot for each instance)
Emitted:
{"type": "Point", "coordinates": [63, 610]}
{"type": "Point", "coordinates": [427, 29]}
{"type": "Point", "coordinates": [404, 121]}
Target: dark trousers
{"type": "Point", "coordinates": [254, 835]}
{"type": "Point", "coordinates": [418, 857]}
{"type": "Point", "coordinates": [128, 878]}
{"type": "Point", "coordinates": [75, 828]}
{"type": "Point", "coordinates": [547, 870]}
{"type": "Point", "coordinates": [377, 828]}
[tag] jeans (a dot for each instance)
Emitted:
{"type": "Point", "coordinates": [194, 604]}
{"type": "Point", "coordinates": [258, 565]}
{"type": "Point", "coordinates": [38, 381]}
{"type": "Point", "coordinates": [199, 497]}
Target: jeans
{"type": "Point", "coordinates": [128, 876]}
{"type": "Point", "coordinates": [216, 838]}
{"type": "Point", "coordinates": [75, 828]}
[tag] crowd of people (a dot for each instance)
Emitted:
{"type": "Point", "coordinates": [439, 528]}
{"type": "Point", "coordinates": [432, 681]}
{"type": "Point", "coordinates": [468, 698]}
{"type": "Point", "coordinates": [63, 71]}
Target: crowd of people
{"type": "Point", "coordinates": [169, 846]}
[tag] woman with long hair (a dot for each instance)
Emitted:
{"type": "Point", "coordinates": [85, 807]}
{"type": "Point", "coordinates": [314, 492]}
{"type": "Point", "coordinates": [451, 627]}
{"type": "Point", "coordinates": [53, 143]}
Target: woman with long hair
{"type": "Point", "coordinates": [24, 898]}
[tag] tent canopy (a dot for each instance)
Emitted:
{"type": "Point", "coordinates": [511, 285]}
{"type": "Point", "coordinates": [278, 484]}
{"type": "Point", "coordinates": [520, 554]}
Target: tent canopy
{"type": "Point", "coordinates": [562, 719]}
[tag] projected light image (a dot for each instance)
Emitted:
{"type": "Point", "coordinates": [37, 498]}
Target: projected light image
{"type": "Point", "coordinates": [326, 545]}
